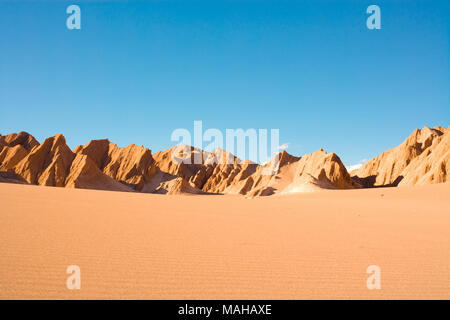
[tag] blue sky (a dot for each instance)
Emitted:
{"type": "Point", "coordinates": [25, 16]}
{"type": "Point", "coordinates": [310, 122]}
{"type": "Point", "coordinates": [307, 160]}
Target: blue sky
{"type": "Point", "coordinates": [138, 70]}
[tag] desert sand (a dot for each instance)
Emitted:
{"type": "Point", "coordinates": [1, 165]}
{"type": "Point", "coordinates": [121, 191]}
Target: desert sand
{"type": "Point", "coordinates": [299, 246]}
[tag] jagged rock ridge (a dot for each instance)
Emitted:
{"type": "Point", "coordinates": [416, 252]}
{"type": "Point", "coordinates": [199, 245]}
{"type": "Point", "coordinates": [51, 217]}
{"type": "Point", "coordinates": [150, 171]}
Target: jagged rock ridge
{"type": "Point", "coordinates": [422, 158]}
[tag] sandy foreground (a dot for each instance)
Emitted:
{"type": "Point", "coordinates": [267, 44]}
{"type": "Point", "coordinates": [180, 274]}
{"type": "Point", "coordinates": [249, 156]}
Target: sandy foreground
{"type": "Point", "coordinates": [145, 246]}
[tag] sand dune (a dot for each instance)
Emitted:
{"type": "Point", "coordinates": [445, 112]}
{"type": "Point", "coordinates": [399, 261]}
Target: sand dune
{"type": "Point", "coordinates": [312, 245]}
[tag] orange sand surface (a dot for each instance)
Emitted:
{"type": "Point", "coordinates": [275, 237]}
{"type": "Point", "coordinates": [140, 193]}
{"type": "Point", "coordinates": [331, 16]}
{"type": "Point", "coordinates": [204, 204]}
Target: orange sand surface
{"type": "Point", "coordinates": [305, 246]}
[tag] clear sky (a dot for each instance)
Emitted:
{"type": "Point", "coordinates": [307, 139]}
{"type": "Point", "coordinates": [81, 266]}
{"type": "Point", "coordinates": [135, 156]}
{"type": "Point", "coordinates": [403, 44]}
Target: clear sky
{"type": "Point", "coordinates": [138, 70]}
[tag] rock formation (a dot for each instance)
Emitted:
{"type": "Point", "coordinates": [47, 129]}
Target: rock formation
{"type": "Point", "coordinates": [132, 165]}
{"type": "Point", "coordinates": [422, 158]}
{"type": "Point", "coordinates": [48, 163]}
{"type": "Point", "coordinates": [24, 139]}
{"type": "Point", "coordinates": [14, 147]}
{"type": "Point", "coordinates": [85, 174]}
{"type": "Point", "coordinates": [10, 156]}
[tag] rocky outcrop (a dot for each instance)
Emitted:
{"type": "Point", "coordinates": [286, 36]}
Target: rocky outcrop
{"type": "Point", "coordinates": [421, 158]}
{"type": "Point", "coordinates": [48, 163]}
{"type": "Point", "coordinates": [288, 174]}
{"type": "Point", "coordinates": [187, 162]}
{"type": "Point", "coordinates": [431, 166]}
{"type": "Point", "coordinates": [85, 174]}
{"type": "Point", "coordinates": [26, 140]}
{"type": "Point", "coordinates": [327, 168]}
{"type": "Point", "coordinates": [14, 147]}
{"type": "Point", "coordinates": [11, 156]}
{"type": "Point", "coordinates": [227, 173]}
{"type": "Point", "coordinates": [133, 165]}
{"type": "Point", "coordinates": [164, 184]}
{"type": "Point", "coordinates": [11, 177]}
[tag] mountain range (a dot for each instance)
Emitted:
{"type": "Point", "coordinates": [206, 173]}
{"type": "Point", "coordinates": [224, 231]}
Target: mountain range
{"type": "Point", "coordinates": [423, 158]}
